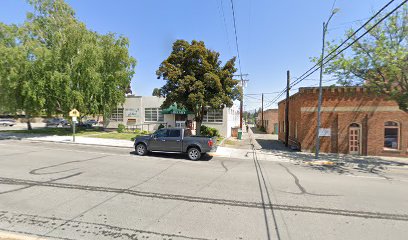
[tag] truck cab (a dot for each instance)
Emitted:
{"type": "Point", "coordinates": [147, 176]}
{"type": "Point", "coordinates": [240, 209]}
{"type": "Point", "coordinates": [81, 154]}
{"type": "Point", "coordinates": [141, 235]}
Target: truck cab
{"type": "Point", "coordinates": [176, 140]}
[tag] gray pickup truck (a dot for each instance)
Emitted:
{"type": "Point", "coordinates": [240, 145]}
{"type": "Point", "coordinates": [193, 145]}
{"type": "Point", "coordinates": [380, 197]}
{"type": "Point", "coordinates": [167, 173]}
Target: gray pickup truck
{"type": "Point", "coordinates": [177, 140]}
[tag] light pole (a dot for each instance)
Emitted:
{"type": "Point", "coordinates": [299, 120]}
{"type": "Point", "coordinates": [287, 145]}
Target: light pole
{"type": "Point", "coordinates": [319, 106]}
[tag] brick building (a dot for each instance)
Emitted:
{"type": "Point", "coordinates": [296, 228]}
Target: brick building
{"type": "Point", "coordinates": [270, 121]}
{"type": "Point", "coordinates": [354, 121]}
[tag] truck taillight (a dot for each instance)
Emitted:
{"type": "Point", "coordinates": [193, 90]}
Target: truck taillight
{"type": "Point", "coordinates": [210, 143]}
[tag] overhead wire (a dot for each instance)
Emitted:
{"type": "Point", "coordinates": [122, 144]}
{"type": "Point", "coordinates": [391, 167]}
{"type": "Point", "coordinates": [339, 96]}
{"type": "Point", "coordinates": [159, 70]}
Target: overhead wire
{"type": "Point", "coordinates": [348, 38]}
{"type": "Point", "coordinates": [328, 57]}
{"type": "Point", "coordinates": [236, 38]}
{"type": "Point", "coordinates": [354, 41]}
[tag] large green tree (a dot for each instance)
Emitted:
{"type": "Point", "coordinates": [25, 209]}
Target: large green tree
{"type": "Point", "coordinates": [379, 61]}
{"type": "Point", "coordinates": [196, 79]}
{"type": "Point", "coordinates": [58, 64]}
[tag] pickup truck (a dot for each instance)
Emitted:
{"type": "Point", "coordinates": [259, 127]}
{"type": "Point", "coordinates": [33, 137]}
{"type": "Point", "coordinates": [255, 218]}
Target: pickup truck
{"type": "Point", "coordinates": [178, 140]}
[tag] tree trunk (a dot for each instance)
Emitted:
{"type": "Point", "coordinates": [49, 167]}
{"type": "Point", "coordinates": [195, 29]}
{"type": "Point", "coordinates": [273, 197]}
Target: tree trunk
{"type": "Point", "coordinates": [29, 127]}
{"type": "Point", "coordinates": [198, 127]}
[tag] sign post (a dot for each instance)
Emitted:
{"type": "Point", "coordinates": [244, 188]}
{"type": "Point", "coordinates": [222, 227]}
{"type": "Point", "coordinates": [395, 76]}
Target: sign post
{"type": "Point", "coordinates": [74, 114]}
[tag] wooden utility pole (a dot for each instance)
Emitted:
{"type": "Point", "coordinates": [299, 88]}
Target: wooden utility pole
{"type": "Point", "coordinates": [262, 118]}
{"type": "Point", "coordinates": [287, 109]}
{"type": "Point", "coordinates": [241, 102]}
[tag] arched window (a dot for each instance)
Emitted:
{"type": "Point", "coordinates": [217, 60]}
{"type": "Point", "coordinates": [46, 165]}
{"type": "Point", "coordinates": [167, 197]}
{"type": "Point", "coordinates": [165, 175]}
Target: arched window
{"type": "Point", "coordinates": [391, 135]}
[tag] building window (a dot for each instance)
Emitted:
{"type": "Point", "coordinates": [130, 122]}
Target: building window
{"type": "Point", "coordinates": [391, 135]}
{"type": "Point", "coordinates": [214, 115]}
{"type": "Point", "coordinates": [117, 115]}
{"type": "Point", "coordinates": [153, 115]}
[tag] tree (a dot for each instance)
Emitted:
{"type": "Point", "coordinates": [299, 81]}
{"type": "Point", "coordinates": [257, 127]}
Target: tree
{"type": "Point", "coordinates": [379, 61]}
{"type": "Point", "coordinates": [196, 80]}
{"type": "Point", "coordinates": [53, 63]}
{"type": "Point", "coordinates": [156, 92]}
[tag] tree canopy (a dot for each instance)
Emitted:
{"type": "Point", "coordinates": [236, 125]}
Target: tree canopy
{"type": "Point", "coordinates": [196, 79]}
{"type": "Point", "coordinates": [379, 61]}
{"type": "Point", "coordinates": [53, 63]}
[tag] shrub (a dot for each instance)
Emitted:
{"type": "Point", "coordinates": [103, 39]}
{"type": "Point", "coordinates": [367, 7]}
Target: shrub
{"type": "Point", "coordinates": [137, 131]}
{"type": "Point", "coordinates": [144, 132]}
{"type": "Point", "coordinates": [209, 131]}
{"type": "Point", "coordinates": [161, 126]}
{"type": "Point", "coordinates": [262, 129]}
{"type": "Point", "coordinates": [121, 128]}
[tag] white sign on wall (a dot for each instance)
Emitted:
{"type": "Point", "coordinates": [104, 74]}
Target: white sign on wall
{"type": "Point", "coordinates": [324, 132]}
{"type": "Point", "coordinates": [132, 112]}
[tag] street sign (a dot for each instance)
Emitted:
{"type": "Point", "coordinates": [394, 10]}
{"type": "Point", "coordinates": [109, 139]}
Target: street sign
{"type": "Point", "coordinates": [324, 132]}
{"type": "Point", "coordinates": [74, 113]}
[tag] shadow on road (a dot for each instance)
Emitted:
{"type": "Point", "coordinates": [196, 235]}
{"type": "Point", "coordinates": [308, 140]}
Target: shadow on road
{"type": "Point", "coordinates": [174, 156]}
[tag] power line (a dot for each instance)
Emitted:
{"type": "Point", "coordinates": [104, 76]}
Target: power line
{"type": "Point", "coordinates": [354, 41]}
{"type": "Point", "coordinates": [225, 24]}
{"type": "Point", "coordinates": [236, 37]}
{"type": "Point", "coordinates": [344, 42]}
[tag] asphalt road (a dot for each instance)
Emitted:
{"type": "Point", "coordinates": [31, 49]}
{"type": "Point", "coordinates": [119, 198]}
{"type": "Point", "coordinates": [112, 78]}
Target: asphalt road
{"type": "Point", "coordinates": [61, 191]}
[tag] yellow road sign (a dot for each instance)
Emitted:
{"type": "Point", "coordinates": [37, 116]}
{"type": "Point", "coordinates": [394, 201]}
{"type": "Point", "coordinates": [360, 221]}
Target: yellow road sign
{"type": "Point", "coordinates": [74, 113]}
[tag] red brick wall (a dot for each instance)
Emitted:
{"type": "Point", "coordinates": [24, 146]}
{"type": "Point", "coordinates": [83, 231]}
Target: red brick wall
{"type": "Point", "coordinates": [352, 105]}
{"type": "Point", "coordinates": [271, 116]}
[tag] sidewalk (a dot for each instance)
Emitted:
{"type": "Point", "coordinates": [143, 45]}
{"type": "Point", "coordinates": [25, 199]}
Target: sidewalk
{"type": "Point", "coordinates": [69, 140]}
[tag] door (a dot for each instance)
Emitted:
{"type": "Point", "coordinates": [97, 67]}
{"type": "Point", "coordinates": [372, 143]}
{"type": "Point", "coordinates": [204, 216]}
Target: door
{"type": "Point", "coordinates": [173, 140]}
{"type": "Point", "coordinates": [354, 139]}
{"type": "Point", "coordinates": [180, 120]}
{"type": "Point", "coordinates": [157, 142]}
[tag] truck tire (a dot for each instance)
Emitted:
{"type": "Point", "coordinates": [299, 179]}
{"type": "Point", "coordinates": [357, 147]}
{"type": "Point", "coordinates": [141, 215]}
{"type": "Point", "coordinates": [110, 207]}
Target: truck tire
{"type": "Point", "coordinates": [141, 149]}
{"type": "Point", "coordinates": [194, 153]}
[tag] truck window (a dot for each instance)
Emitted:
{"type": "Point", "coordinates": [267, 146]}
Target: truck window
{"type": "Point", "coordinates": [161, 133]}
{"type": "Point", "coordinates": [174, 133]}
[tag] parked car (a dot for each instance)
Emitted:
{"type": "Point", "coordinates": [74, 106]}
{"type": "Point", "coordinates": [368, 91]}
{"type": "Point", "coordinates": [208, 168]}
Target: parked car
{"type": "Point", "coordinates": [177, 140]}
{"type": "Point", "coordinates": [57, 122]}
{"type": "Point", "coordinates": [87, 123]}
{"type": "Point", "coordinates": [7, 122]}
{"type": "Point", "coordinates": [91, 122]}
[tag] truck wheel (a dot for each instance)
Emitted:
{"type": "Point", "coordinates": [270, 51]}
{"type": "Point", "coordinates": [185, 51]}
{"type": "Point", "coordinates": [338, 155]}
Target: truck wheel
{"type": "Point", "coordinates": [141, 149]}
{"type": "Point", "coordinates": [194, 153]}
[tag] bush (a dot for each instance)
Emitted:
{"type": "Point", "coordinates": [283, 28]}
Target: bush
{"type": "Point", "coordinates": [137, 131]}
{"type": "Point", "coordinates": [262, 129]}
{"type": "Point", "coordinates": [144, 132]}
{"type": "Point", "coordinates": [161, 126]}
{"type": "Point", "coordinates": [209, 131]}
{"type": "Point", "coordinates": [121, 128]}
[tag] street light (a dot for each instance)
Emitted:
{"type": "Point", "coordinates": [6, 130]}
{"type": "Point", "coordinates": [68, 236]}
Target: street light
{"type": "Point", "coordinates": [334, 11]}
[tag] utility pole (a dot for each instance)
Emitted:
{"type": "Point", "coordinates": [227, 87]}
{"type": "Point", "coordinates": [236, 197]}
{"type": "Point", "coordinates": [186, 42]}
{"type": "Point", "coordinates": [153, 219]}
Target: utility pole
{"type": "Point", "coordinates": [241, 103]}
{"type": "Point", "coordinates": [319, 104]}
{"type": "Point", "coordinates": [287, 109]}
{"type": "Point", "coordinates": [262, 111]}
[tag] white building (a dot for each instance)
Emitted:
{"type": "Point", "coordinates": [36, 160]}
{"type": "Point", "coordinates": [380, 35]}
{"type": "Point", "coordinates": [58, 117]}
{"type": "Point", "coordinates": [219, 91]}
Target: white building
{"type": "Point", "coordinates": [144, 112]}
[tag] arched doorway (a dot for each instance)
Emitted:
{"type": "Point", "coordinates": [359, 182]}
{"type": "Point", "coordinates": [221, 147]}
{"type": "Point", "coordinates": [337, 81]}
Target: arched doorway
{"type": "Point", "coordinates": [354, 138]}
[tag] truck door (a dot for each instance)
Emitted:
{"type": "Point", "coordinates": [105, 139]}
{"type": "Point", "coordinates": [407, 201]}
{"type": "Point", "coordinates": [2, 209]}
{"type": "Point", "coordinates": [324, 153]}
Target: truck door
{"type": "Point", "coordinates": [158, 141]}
{"type": "Point", "coordinates": [174, 140]}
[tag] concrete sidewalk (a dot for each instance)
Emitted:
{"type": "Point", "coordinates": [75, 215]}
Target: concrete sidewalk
{"type": "Point", "coordinates": [69, 140]}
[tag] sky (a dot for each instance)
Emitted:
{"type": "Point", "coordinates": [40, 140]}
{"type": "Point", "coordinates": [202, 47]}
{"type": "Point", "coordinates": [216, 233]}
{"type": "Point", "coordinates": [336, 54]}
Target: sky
{"type": "Point", "coordinates": [273, 36]}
